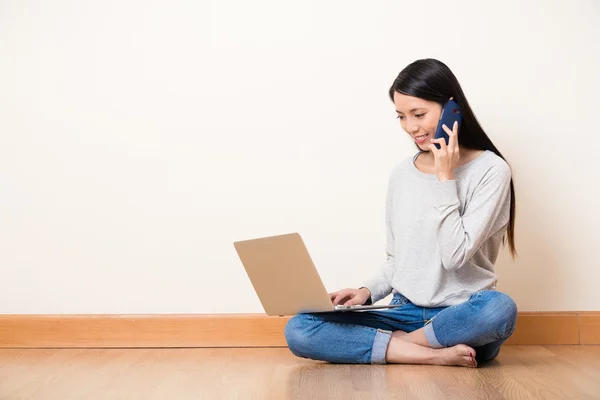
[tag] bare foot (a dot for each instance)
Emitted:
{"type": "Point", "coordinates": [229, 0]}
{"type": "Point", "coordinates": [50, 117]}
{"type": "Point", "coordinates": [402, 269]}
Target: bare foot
{"type": "Point", "coordinates": [461, 355]}
{"type": "Point", "coordinates": [400, 351]}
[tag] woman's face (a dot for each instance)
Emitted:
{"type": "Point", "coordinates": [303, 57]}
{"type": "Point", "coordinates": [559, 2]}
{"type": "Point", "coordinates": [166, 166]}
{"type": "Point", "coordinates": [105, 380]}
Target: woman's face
{"type": "Point", "coordinates": [419, 118]}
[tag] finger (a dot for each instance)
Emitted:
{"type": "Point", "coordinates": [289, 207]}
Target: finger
{"type": "Point", "coordinates": [454, 136]}
{"type": "Point", "coordinates": [438, 141]}
{"type": "Point", "coordinates": [333, 295]}
{"type": "Point", "coordinates": [434, 150]}
{"type": "Point", "coordinates": [446, 129]}
{"type": "Point", "coordinates": [341, 296]}
{"type": "Point", "coordinates": [355, 300]}
{"type": "Point", "coordinates": [441, 142]}
{"type": "Point", "coordinates": [352, 302]}
{"type": "Point", "coordinates": [337, 298]}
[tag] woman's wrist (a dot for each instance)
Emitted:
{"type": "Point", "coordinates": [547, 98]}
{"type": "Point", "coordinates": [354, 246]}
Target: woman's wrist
{"type": "Point", "coordinates": [446, 177]}
{"type": "Point", "coordinates": [369, 299]}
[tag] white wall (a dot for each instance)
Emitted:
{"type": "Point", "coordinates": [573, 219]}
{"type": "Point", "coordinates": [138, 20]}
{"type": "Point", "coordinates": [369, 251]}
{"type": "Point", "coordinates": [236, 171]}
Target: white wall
{"type": "Point", "coordinates": [139, 139]}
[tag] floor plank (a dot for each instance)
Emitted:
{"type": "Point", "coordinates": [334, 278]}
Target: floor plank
{"type": "Point", "coordinates": [520, 372]}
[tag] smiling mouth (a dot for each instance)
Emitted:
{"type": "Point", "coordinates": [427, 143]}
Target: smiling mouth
{"type": "Point", "coordinates": [421, 139]}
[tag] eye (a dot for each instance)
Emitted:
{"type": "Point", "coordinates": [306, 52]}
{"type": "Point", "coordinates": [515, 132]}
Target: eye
{"type": "Point", "coordinates": [400, 117]}
{"type": "Point", "coordinates": [419, 115]}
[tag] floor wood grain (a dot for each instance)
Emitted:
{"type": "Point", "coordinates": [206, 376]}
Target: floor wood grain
{"type": "Point", "coordinates": [520, 372]}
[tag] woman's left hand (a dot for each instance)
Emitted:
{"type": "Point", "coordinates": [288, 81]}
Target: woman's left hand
{"type": "Point", "coordinates": [447, 157]}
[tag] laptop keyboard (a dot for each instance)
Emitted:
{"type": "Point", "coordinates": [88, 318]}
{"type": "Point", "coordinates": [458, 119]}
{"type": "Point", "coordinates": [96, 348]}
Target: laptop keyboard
{"type": "Point", "coordinates": [343, 307]}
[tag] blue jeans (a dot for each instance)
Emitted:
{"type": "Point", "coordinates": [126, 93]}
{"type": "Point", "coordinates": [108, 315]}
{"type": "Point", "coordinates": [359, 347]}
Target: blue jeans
{"type": "Point", "coordinates": [484, 322]}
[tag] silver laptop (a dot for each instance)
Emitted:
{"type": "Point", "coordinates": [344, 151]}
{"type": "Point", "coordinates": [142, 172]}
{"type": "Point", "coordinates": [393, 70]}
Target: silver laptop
{"type": "Point", "coordinates": [285, 278]}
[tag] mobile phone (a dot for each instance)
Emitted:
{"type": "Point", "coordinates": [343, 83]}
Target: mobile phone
{"type": "Point", "coordinates": [450, 114]}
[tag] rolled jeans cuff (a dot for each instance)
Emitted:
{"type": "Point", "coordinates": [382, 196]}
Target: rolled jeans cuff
{"type": "Point", "coordinates": [431, 338]}
{"type": "Point", "coordinates": [380, 345]}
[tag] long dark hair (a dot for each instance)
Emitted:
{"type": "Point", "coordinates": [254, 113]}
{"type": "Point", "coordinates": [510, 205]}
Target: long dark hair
{"type": "Point", "coordinates": [432, 80]}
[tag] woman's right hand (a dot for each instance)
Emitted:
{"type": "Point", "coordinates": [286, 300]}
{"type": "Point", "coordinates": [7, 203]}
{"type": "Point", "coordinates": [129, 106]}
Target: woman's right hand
{"type": "Point", "coordinates": [350, 297]}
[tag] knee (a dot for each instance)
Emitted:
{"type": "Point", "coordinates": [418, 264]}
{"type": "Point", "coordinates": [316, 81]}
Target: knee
{"type": "Point", "coordinates": [502, 311]}
{"type": "Point", "coordinates": [297, 335]}
{"type": "Point", "coordinates": [487, 357]}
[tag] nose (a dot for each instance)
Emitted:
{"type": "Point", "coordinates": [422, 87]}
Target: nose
{"type": "Point", "coordinates": [412, 127]}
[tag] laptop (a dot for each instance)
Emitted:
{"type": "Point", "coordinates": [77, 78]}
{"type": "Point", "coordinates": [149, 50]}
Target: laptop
{"type": "Point", "coordinates": [285, 278]}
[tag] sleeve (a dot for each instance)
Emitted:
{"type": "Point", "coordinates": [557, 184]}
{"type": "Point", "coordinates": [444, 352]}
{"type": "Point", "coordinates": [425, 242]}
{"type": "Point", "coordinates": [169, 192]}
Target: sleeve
{"type": "Point", "coordinates": [380, 283]}
{"type": "Point", "coordinates": [460, 236]}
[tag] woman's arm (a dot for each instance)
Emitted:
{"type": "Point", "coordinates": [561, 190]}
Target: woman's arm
{"type": "Point", "coordinates": [460, 236]}
{"type": "Point", "coordinates": [488, 210]}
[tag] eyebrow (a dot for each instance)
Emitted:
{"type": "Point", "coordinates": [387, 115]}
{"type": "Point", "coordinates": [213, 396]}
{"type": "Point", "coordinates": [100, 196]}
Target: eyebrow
{"type": "Point", "coordinates": [413, 110]}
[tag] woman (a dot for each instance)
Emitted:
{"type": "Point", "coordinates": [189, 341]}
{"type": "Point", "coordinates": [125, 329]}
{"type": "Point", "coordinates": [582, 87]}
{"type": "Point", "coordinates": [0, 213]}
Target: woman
{"type": "Point", "coordinates": [448, 212]}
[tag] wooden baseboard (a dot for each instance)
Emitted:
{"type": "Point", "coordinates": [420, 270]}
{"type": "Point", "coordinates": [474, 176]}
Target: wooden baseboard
{"type": "Point", "coordinates": [589, 327]}
{"type": "Point", "coordinates": [546, 328]}
{"type": "Point", "coordinates": [235, 330]}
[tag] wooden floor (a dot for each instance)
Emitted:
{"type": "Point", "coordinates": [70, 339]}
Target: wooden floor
{"type": "Point", "coordinates": [520, 372]}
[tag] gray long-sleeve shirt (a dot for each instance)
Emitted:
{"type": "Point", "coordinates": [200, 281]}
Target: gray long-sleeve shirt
{"type": "Point", "coordinates": [443, 238]}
